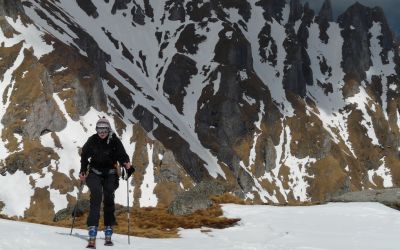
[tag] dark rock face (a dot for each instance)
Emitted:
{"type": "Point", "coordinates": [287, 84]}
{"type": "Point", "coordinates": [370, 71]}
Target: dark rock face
{"type": "Point", "coordinates": [234, 50]}
{"type": "Point", "coordinates": [88, 7]}
{"type": "Point", "coordinates": [269, 156]}
{"type": "Point", "coordinates": [138, 14]}
{"type": "Point", "coordinates": [198, 9]}
{"type": "Point", "coordinates": [148, 10]}
{"type": "Point", "coordinates": [221, 116]}
{"type": "Point", "coordinates": [196, 198]}
{"type": "Point", "coordinates": [176, 10]}
{"type": "Point", "coordinates": [324, 17]}
{"type": "Point", "coordinates": [296, 10]}
{"type": "Point", "coordinates": [267, 44]}
{"type": "Point", "coordinates": [177, 77]}
{"type": "Point", "coordinates": [297, 71]}
{"type": "Point", "coordinates": [356, 22]}
{"type": "Point", "coordinates": [120, 5]}
{"type": "Point", "coordinates": [326, 11]}
{"type": "Point", "coordinates": [88, 44]}
{"type": "Point", "coordinates": [11, 8]}
{"type": "Point", "coordinates": [188, 40]}
{"type": "Point", "coordinates": [191, 162]}
{"type": "Point", "coordinates": [386, 39]}
{"type": "Point", "coordinates": [272, 8]}
{"type": "Point", "coordinates": [145, 117]}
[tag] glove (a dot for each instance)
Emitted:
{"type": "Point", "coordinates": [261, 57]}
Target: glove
{"type": "Point", "coordinates": [126, 173]}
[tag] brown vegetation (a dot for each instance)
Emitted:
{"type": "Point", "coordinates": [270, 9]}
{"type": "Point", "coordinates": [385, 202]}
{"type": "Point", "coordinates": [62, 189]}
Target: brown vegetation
{"type": "Point", "coordinates": [157, 222]}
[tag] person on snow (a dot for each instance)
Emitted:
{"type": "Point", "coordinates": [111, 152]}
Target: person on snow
{"type": "Point", "coordinates": [99, 158]}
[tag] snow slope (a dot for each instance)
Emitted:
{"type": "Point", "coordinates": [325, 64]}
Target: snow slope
{"type": "Point", "coordinates": [332, 226]}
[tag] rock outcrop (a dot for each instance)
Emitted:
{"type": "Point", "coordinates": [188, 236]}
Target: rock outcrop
{"type": "Point", "coordinates": [389, 197]}
{"type": "Point", "coordinates": [197, 198]}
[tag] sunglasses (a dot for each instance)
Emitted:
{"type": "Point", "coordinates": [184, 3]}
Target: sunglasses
{"type": "Point", "coordinates": [102, 130]}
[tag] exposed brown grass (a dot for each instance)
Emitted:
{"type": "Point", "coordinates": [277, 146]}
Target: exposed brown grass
{"type": "Point", "coordinates": [228, 198]}
{"type": "Point", "coordinates": [156, 222]}
{"type": "Point", "coordinates": [331, 178]}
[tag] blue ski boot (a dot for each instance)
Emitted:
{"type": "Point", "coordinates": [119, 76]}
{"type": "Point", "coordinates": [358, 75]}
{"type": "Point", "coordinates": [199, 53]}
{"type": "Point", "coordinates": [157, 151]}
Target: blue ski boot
{"type": "Point", "coordinates": [108, 231]}
{"type": "Point", "coordinates": [92, 237]}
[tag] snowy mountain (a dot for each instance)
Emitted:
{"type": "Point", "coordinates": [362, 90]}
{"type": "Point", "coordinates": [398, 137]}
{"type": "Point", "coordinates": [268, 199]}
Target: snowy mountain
{"type": "Point", "coordinates": [281, 104]}
{"type": "Point", "coordinates": [357, 226]}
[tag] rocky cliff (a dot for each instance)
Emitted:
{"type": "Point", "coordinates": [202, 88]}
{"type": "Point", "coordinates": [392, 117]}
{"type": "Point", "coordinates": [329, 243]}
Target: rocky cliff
{"type": "Point", "coordinates": [279, 103]}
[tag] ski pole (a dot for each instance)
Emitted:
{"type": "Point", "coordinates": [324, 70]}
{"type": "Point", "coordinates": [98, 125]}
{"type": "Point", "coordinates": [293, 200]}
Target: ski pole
{"type": "Point", "coordinates": [76, 206]}
{"type": "Point", "coordinates": [129, 217]}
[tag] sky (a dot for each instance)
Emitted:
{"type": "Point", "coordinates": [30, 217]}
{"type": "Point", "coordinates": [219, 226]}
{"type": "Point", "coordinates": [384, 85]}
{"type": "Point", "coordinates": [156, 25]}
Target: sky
{"type": "Point", "coordinates": [390, 7]}
{"type": "Point", "coordinates": [355, 226]}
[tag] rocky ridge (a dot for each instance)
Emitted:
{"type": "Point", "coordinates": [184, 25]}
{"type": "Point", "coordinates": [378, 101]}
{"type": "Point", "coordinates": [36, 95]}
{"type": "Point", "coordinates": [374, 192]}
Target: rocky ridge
{"type": "Point", "coordinates": [281, 104]}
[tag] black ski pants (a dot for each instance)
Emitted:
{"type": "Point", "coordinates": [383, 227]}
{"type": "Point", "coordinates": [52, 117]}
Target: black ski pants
{"type": "Point", "coordinates": [99, 186]}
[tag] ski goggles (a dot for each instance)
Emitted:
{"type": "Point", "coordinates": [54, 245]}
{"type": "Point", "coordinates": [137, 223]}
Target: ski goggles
{"type": "Point", "coordinates": [102, 130]}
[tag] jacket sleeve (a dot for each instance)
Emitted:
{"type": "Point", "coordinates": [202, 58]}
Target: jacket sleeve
{"type": "Point", "coordinates": [121, 155]}
{"type": "Point", "coordinates": [85, 155]}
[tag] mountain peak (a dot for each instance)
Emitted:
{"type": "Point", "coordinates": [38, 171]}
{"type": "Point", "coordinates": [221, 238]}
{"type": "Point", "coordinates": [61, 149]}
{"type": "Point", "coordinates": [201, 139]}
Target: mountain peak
{"type": "Point", "coordinates": [326, 11]}
{"type": "Point", "coordinates": [360, 15]}
{"type": "Point", "coordinates": [272, 8]}
{"type": "Point", "coordinates": [296, 10]}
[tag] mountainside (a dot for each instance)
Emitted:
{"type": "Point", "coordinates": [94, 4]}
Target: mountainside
{"type": "Point", "coordinates": [281, 104]}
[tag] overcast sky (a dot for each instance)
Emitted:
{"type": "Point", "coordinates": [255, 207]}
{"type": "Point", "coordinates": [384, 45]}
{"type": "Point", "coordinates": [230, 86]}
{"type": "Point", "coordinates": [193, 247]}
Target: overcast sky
{"type": "Point", "coordinates": [391, 8]}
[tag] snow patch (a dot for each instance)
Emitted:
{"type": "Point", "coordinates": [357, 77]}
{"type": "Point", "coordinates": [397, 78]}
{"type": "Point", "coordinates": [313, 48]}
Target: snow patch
{"type": "Point", "coordinates": [243, 75]}
{"type": "Point", "coordinates": [362, 100]}
{"type": "Point", "coordinates": [148, 198]}
{"type": "Point", "coordinates": [383, 172]}
{"type": "Point", "coordinates": [32, 36]}
{"type": "Point", "coordinates": [16, 200]}
{"type": "Point", "coordinates": [62, 68]}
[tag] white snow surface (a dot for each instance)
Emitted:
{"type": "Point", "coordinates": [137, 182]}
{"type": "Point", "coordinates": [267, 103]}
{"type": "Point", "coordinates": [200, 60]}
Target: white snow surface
{"type": "Point", "coordinates": [16, 200]}
{"type": "Point", "coordinates": [355, 226]}
{"type": "Point", "coordinates": [31, 35]}
{"type": "Point", "coordinates": [148, 198]}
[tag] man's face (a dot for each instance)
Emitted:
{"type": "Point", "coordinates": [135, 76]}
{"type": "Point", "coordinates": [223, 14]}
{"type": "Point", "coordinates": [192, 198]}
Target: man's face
{"type": "Point", "coordinates": [102, 132]}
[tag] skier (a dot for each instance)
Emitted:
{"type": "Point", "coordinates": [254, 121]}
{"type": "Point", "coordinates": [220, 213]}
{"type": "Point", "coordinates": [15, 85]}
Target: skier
{"type": "Point", "coordinates": [104, 150]}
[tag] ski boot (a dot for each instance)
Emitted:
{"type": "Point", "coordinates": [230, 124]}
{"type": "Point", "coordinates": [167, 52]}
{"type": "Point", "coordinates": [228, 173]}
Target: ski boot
{"type": "Point", "coordinates": [108, 231]}
{"type": "Point", "coordinates": [92, 237]}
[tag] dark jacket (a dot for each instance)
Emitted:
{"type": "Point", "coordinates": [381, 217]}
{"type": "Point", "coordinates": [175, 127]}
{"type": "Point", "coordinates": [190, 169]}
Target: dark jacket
{"type": "Point", "coordinates": [103, 153]}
